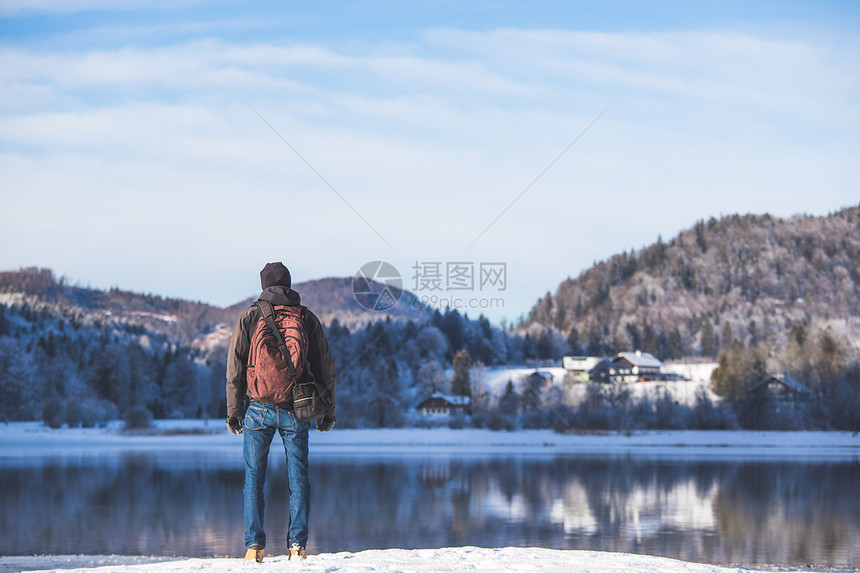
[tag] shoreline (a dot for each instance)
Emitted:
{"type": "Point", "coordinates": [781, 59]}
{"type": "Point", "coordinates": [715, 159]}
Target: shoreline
{"type": "Point", "coordinates": [31, 439]}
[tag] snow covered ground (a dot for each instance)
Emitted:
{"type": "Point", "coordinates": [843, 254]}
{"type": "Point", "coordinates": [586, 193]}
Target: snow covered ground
{"type": "Point", "coordinates": [698, 371]}
{"type": "Point", "coordinates": [26, 439]}
{"type": "Point", "coordinates": [456, 559]}
{"type": "Point", "coordinates": [494, 379]}
{"type": "Point", "coordinates": [695, 377]}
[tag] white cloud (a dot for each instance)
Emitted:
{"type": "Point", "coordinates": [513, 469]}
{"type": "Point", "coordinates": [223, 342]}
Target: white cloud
{"type": "Point", "coordinates": [28, 7]}
{"type": "Point", "coordinates": [162, 147]}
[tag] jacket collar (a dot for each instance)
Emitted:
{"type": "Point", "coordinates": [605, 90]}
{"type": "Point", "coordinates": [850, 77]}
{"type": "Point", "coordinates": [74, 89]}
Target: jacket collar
{"type": "Point", "coordinates": [281, 295]}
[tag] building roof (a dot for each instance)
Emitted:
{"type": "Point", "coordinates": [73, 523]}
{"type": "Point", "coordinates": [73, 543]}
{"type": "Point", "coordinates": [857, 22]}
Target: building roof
{"type": "Point", "coordinates": [452, 399]}
{"type": "Point", "coordinates": [788, 382]}
{"type": "Point", "coordinates": [583, 363]}
{"type": "Point", "coordinates": [794, 384]}
{"type": "Point", "coordinates": [604, 364]}
{"type": "Point", "coordinates": [614, 368]}
{"type": "Point", "coordinates": [640, 359]}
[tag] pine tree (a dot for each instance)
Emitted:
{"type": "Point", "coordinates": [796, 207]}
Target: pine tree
{"type": "Point", "coordinates": [453, 328]}
{"type": "Point", "coordinates": [510, 401]}
{"type": "Point", "coordinates": [532, 389]}
{"type": "Point", "coordinates": [574, 343]}
{"type": "Point", "coordinates": [701, 242]}
{"type": "Point", "coordinates": [461, 384]}
{"type": "Point", "coordinates": [544, 345]}
{"type": "Point", "coordinates": [676, 345]}
{"type": "Point", "coordinates": [709, 340]}
{"type": "Point", "coordinates": [727, 336]}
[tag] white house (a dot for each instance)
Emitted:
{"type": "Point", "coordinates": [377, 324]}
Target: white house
{"type": "Point", "coordinates": [440, 405]}
{"type": "Point", "coordinates": [579, 366]}
{"type": "Point", "coordinates": [643, 365]}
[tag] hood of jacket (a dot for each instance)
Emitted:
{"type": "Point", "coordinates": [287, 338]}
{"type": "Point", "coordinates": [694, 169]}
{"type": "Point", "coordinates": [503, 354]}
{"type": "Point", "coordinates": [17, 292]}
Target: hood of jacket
{"type": "Point", "coordinates": [281, 295]}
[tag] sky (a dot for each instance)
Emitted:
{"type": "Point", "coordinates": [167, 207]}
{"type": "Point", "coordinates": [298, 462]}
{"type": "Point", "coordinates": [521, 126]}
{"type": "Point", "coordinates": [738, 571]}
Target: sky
{"type": "Point", "coordinates": [175, 147]}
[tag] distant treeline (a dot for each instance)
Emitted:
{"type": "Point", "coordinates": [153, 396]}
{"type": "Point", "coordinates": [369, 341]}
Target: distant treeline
{"type": "Point", "coordinates": [64, 365]}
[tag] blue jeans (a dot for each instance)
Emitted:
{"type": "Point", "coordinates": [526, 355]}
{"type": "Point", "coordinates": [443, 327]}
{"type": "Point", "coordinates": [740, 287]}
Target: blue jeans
{"type": "Point", "coordinates": [261, 421]}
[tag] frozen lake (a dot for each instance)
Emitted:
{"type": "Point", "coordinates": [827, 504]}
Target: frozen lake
{"type": "Point", "coordinates": [184, 500]}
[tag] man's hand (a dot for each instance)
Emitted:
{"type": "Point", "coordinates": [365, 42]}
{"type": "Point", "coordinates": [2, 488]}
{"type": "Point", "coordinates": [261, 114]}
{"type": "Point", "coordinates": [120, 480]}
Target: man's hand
{"type": "Point", "coordinates": [234, 425]}
{"type": "Point", "coordinates": [326, 424]}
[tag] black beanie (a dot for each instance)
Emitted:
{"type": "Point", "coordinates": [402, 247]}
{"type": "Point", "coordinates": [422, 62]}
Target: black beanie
{"type": "Point", "coordinates": [275, 274]}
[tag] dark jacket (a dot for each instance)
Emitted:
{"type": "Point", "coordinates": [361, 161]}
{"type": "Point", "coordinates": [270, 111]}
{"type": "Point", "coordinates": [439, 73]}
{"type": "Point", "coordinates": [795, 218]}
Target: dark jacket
{"type": "Point", "coordinates": [319, 354]}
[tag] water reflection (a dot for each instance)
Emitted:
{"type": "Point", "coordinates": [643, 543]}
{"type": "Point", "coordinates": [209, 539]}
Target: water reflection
{"type": "Point", "coordinates": [717, 511]}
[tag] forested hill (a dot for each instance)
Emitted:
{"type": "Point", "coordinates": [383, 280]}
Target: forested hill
{"type": "Point", "coordinates": [751, 278]}
{"type": "Point", "coordinates": [182, 321]}
{"type": "Point", "coordinates": [186, 322]}
{"type": "Point", "coordinates": [78, 356]}
{"type": "Point", "coordinates": [71, 355]}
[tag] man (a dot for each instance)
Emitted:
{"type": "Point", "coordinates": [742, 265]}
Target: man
{"type": "Point", "coordinates": [261, 419]}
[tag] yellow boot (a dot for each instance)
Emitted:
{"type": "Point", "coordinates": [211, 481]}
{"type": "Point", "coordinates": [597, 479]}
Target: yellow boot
{"type": "Point", "coordinates": [297, 551]}
{"type": "Point", "coordinates": [254, 554]}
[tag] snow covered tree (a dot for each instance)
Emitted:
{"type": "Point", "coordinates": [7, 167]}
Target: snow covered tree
{"type": "Point", "coordinates": [431, 378]}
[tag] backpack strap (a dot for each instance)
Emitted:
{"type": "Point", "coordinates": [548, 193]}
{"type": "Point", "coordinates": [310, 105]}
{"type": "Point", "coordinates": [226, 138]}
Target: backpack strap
{"type": "Point", "coordinates": [269, 315]}
{"type": "Point", "coordinates": [324, 392]}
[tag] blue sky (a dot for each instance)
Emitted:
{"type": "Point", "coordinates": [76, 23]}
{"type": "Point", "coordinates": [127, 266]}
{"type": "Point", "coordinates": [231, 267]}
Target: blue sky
{"type": "Point", "coordinates": [175, 147]}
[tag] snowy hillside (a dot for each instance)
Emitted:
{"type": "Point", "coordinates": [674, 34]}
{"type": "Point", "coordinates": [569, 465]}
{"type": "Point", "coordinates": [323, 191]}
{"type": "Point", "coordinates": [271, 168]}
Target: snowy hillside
{"type": "Point", "coordinates": [751, 278]}
{"type": "Point", "coordinates": [696, 378]}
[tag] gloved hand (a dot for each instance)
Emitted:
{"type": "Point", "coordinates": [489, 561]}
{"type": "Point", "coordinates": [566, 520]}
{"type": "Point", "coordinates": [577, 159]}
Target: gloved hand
{"type": "Point", "coordinates": [234, 425]}
{"type": "Point", "coordinates": [326, 424]}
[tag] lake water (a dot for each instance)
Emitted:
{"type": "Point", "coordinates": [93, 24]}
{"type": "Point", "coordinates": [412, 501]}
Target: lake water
{"type": "Point", "coordinates": [750, 512]}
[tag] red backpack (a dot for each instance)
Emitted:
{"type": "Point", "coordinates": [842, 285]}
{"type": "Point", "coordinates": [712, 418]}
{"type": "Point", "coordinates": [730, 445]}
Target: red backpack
{"type": "Point", "coordinates": [270, 377]}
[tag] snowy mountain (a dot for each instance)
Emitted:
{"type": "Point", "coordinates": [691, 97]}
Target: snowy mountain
{"type": "Point", "coordinates": [758, 294]}
{"type": "Point", "coordinates": [119, 353]}
{"type": "Point", "coordinates": [182, 321]}
{"type": "Point", "coordinates": [198, 324]}
{"type": "Point", "coordinates": [751, 278]}
{"type": "Point", "coordinates": [333, 298]}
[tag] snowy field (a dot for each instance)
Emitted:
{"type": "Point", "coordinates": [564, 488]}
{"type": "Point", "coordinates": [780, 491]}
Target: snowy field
{"type": "Point", "coordinates": [695, 378]}
{"type": "Point", "coordinates": [26, 439]}
{"type": "Point", "coordinates": [389, 561]}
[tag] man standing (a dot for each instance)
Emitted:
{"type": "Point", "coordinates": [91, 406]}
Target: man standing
{"type": "Point", "coordinates": [262, 418]}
